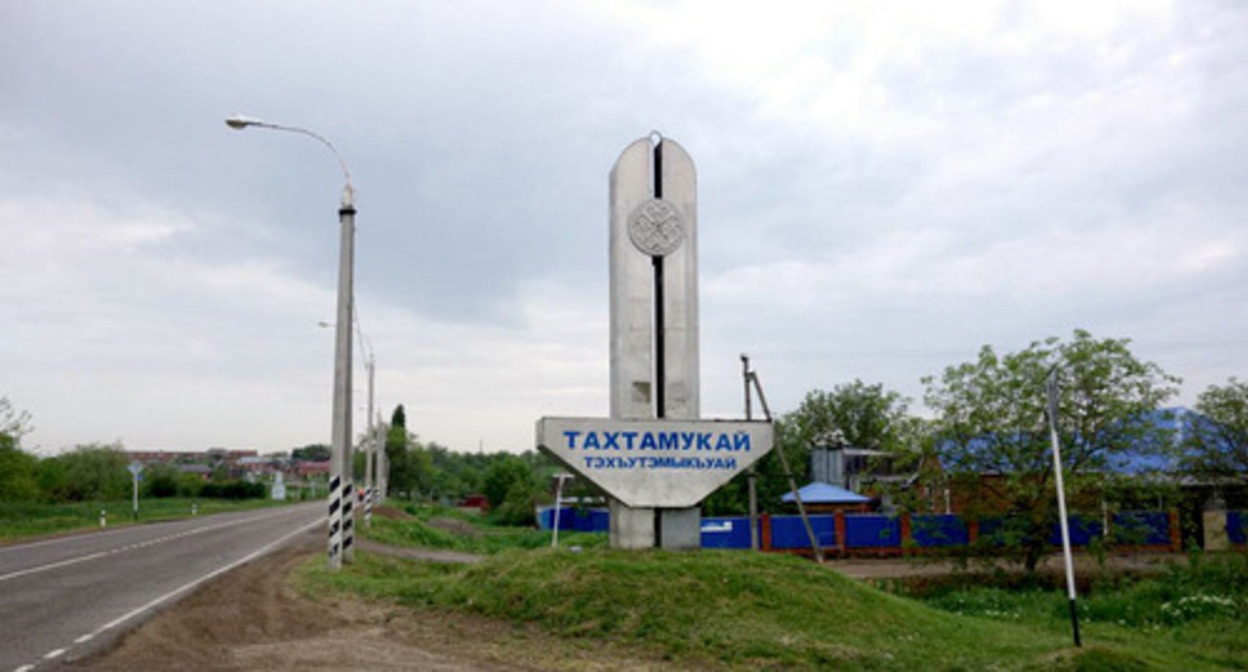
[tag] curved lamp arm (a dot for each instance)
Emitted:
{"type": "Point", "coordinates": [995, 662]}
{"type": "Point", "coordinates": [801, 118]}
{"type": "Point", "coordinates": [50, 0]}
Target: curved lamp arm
{"type": "Point", "coordinates": [238, 122]}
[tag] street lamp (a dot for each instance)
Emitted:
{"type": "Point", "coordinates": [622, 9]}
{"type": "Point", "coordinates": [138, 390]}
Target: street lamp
{"type": "Point", "coordinates": [342, 492]}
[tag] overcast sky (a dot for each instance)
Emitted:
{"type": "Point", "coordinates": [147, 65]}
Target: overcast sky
{"type": "Point", "coordinates": [884, 188]}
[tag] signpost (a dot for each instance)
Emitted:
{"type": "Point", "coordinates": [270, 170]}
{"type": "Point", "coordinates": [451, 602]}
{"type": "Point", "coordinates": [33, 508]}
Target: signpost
{"type": "Point", "coordinates": [136, 468]}
{"type": "Point", "coordinates": [667, 464]}
{"type": "Point", "coordinates": [653, 456]}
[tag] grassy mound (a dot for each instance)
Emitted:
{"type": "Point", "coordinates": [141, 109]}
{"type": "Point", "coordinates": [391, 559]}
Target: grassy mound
{"type": "Point", "coordinates": [443, 529]}
{"type": "Point", "coordinates": [735, 610]}
{"type": "Point", "coordinates": [738, 610]}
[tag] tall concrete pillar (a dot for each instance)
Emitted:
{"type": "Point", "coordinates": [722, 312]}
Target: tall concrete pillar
{"type": "Point", "coordinates": [654, 314]}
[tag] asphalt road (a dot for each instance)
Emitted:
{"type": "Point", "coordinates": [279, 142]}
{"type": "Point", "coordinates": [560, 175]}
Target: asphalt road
{"type": "Point", "coordinates": [62, 598]}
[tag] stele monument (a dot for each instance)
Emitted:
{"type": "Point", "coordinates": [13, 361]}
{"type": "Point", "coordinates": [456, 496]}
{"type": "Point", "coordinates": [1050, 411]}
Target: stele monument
{"type": "Point", "coordinates": [654, 456]}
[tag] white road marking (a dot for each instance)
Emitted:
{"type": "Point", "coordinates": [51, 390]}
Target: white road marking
{"type": "Point", "coordinates": [213, 574]}
{"type": "Point", "coordinates": [122, 549]}
{"type": "Point", "coordinates": [177, 591]}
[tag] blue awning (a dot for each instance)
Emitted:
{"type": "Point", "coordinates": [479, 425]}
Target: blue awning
{"type": "Point", "coordinates": [826, 493]}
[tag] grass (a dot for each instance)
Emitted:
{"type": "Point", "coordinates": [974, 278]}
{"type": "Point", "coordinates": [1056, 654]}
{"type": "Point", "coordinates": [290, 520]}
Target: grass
{"type": "Point", "coordinates": [450, 529]}
{"type": "Point", "coordinates": [1200, 609]}
{"type": "Point", "coordinates": [24, 520]}
{"type": "Point", "coordinates": [737, 610]}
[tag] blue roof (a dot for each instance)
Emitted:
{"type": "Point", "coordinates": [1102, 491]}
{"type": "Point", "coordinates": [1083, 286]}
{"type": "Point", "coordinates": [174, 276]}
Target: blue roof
{"type": "Point", "coordinates": [826, 493]}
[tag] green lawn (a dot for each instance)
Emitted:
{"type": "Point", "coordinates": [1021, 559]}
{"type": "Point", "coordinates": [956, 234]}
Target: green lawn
{"type": "Point", "coordinates": [27, 520]}
{"type": "Point", "coordinates": [738, 610]}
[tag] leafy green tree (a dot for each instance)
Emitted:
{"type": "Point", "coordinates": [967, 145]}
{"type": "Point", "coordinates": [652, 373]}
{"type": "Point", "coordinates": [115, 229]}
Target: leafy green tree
{"type": "Point", "coordinates": [1217, 443]}
{"type": "Point", "coordinates": [161, 481]}
{"type": "Point", "coordinates": [865, 416]}
{"type": "Point", "coordinates": [991, 429]}
{"type": "Point", "coordinates": [18, 471]}
{"type": "Point", "coordinates": [519, 506]}
{"type": "Point", "coordinates": [52, 478]}
{"type": "Point", "coordinates": [316, 452]}
{"type": "Point", "coordinates": [411, 467]}
{"type": "Point", "coordinates": [503, 474]}
{"type": "Point", "coordinates": [95, 472]}
{"type": "Point", "coordinates": [13, 423]}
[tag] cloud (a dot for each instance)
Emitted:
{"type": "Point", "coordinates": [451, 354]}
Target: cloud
{"type": "Point", "coordinates": [883, 189]}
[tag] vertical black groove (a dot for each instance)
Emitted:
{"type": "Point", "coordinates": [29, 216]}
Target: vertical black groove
{"type": "Point", "coordinates": [660, 364]}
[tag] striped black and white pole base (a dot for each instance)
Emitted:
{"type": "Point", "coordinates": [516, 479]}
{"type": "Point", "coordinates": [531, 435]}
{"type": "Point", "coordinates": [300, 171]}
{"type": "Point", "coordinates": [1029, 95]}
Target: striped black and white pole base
{"type": "Point", "coordinates": [335, 522]}
{"type": "Point", "coordinates": [368, 508]}
{"type": "Point", "coordinates": [348, 522]}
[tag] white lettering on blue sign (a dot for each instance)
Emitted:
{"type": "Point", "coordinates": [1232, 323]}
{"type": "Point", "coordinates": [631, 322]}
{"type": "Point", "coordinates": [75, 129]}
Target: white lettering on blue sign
{"type": "Point", "coordinates": [658, 441]}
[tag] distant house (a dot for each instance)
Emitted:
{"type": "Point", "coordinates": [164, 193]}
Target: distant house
{"type": "Point", "coordinates": [201, 470]}
{"type": "Point", "coordinates": [820, 497]}
{"type": "Point", "coordinates": [476, 502]}
{"type": "Point", "coordinates": [305, 470]}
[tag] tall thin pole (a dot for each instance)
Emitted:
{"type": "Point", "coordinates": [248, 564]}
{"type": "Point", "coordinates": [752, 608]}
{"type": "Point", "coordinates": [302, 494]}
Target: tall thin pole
{"type": "Point", "coordinates": [554, 537]}
{"type": "Point", "coordinates": [340, 521]}
{"type": "Point", "coordinates": [340, 466]}
{"type": "Point", "coordinates": [784, 462]}
{"type": "Point", "coordinates": [1051, 388]}
{"type": "Point", "coordinates": [383, 462]}
{"type": "Point", "coordinates": [750, 475]}
{"type": "Point", "coordinates": [370, 450]}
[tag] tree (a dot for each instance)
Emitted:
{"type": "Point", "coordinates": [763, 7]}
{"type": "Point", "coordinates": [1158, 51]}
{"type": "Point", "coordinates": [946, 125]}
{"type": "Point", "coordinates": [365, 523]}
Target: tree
{"type": "Point", "coordinates": [411, 467]}
{"type": "Point", "coordinates": [991, 430]}
{"type": "Point", "coordinates": [502, 475]}
{"type": "Point", "coordinates": [13, 423]}
{"type": "Point", "coordinates": [161, 481]}
{"type": "Point", "coordinates": [866, 416]}
{"type": "Point", "coordinates": [316, 452]}
{"type": "Point", "coordinates": [1217, 443]}
{"type": "Point", "coordinates": [93, 472]}
{"type": "Point", "coordinates": [18, 471]}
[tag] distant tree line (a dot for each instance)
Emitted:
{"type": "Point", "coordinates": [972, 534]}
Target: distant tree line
{"type": "Point", "coordinates": [96, 472]}
{"type": "Point", "coordinates": [513, 484]}
{"type": "Point", "coordinates": [987, 417]}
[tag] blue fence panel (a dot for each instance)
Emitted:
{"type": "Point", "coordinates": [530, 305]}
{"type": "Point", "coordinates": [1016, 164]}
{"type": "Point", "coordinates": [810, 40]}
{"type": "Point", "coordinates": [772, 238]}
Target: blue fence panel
{"type": "Point", "coordinates": [726, 532]}
{"type": "Point", "coordinates": [1143, 528]}
{"type": "Point", "coordinates": [592, 520]}
{"type": "Point", "coordinates": [1082, 531]}
{"type": "Point", "coordinates": [788, 532]}
{"type": "Point", "coordinates": [871, 531]}
{"type": "Point", "coordinates": [938, 531]}
{"type": "Point", "coordinates": [1235, 521]}
{"type": "Point", "coordinates": [1000, 531]}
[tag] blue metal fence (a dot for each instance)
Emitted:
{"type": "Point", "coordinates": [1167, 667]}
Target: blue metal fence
{"type": "Point", "coordinates": [1235, 521]}
{"type": "Point", "coordinates": [867, 532]}
{"type": "Point", "coordinates": [572, 520]}
{"type": "Point", "coordinates": [939, 531]}
{"type": "Point", "coordinates": [788, 532]}
{"type": "Point", "coordinates": [726, 532]}
{"type": "Point", "coordinates": [871, 531]}
{"type": "Point", "coordinates": [875, 531]}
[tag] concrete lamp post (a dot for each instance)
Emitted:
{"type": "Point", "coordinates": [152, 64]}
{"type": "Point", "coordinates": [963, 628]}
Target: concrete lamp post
{"type": "Point", "coordinates": [341, 492]}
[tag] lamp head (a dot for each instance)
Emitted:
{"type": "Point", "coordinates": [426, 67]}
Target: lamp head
{"type": "Point", "coordinates": [238, 122]}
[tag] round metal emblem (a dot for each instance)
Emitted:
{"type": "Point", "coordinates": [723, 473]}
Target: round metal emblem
{"type": "Point", "coordinates": [656, 228]}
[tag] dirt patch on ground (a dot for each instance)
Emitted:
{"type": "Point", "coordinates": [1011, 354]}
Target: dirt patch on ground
{"type": "Point", "coordinates": [391, 513]}
{"type": "Point", "coordinates": [253, 619]}
{"type": "Point", "coordinates": [454, 526]}
{"type": "Point", "coordinates": [426, 554]}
